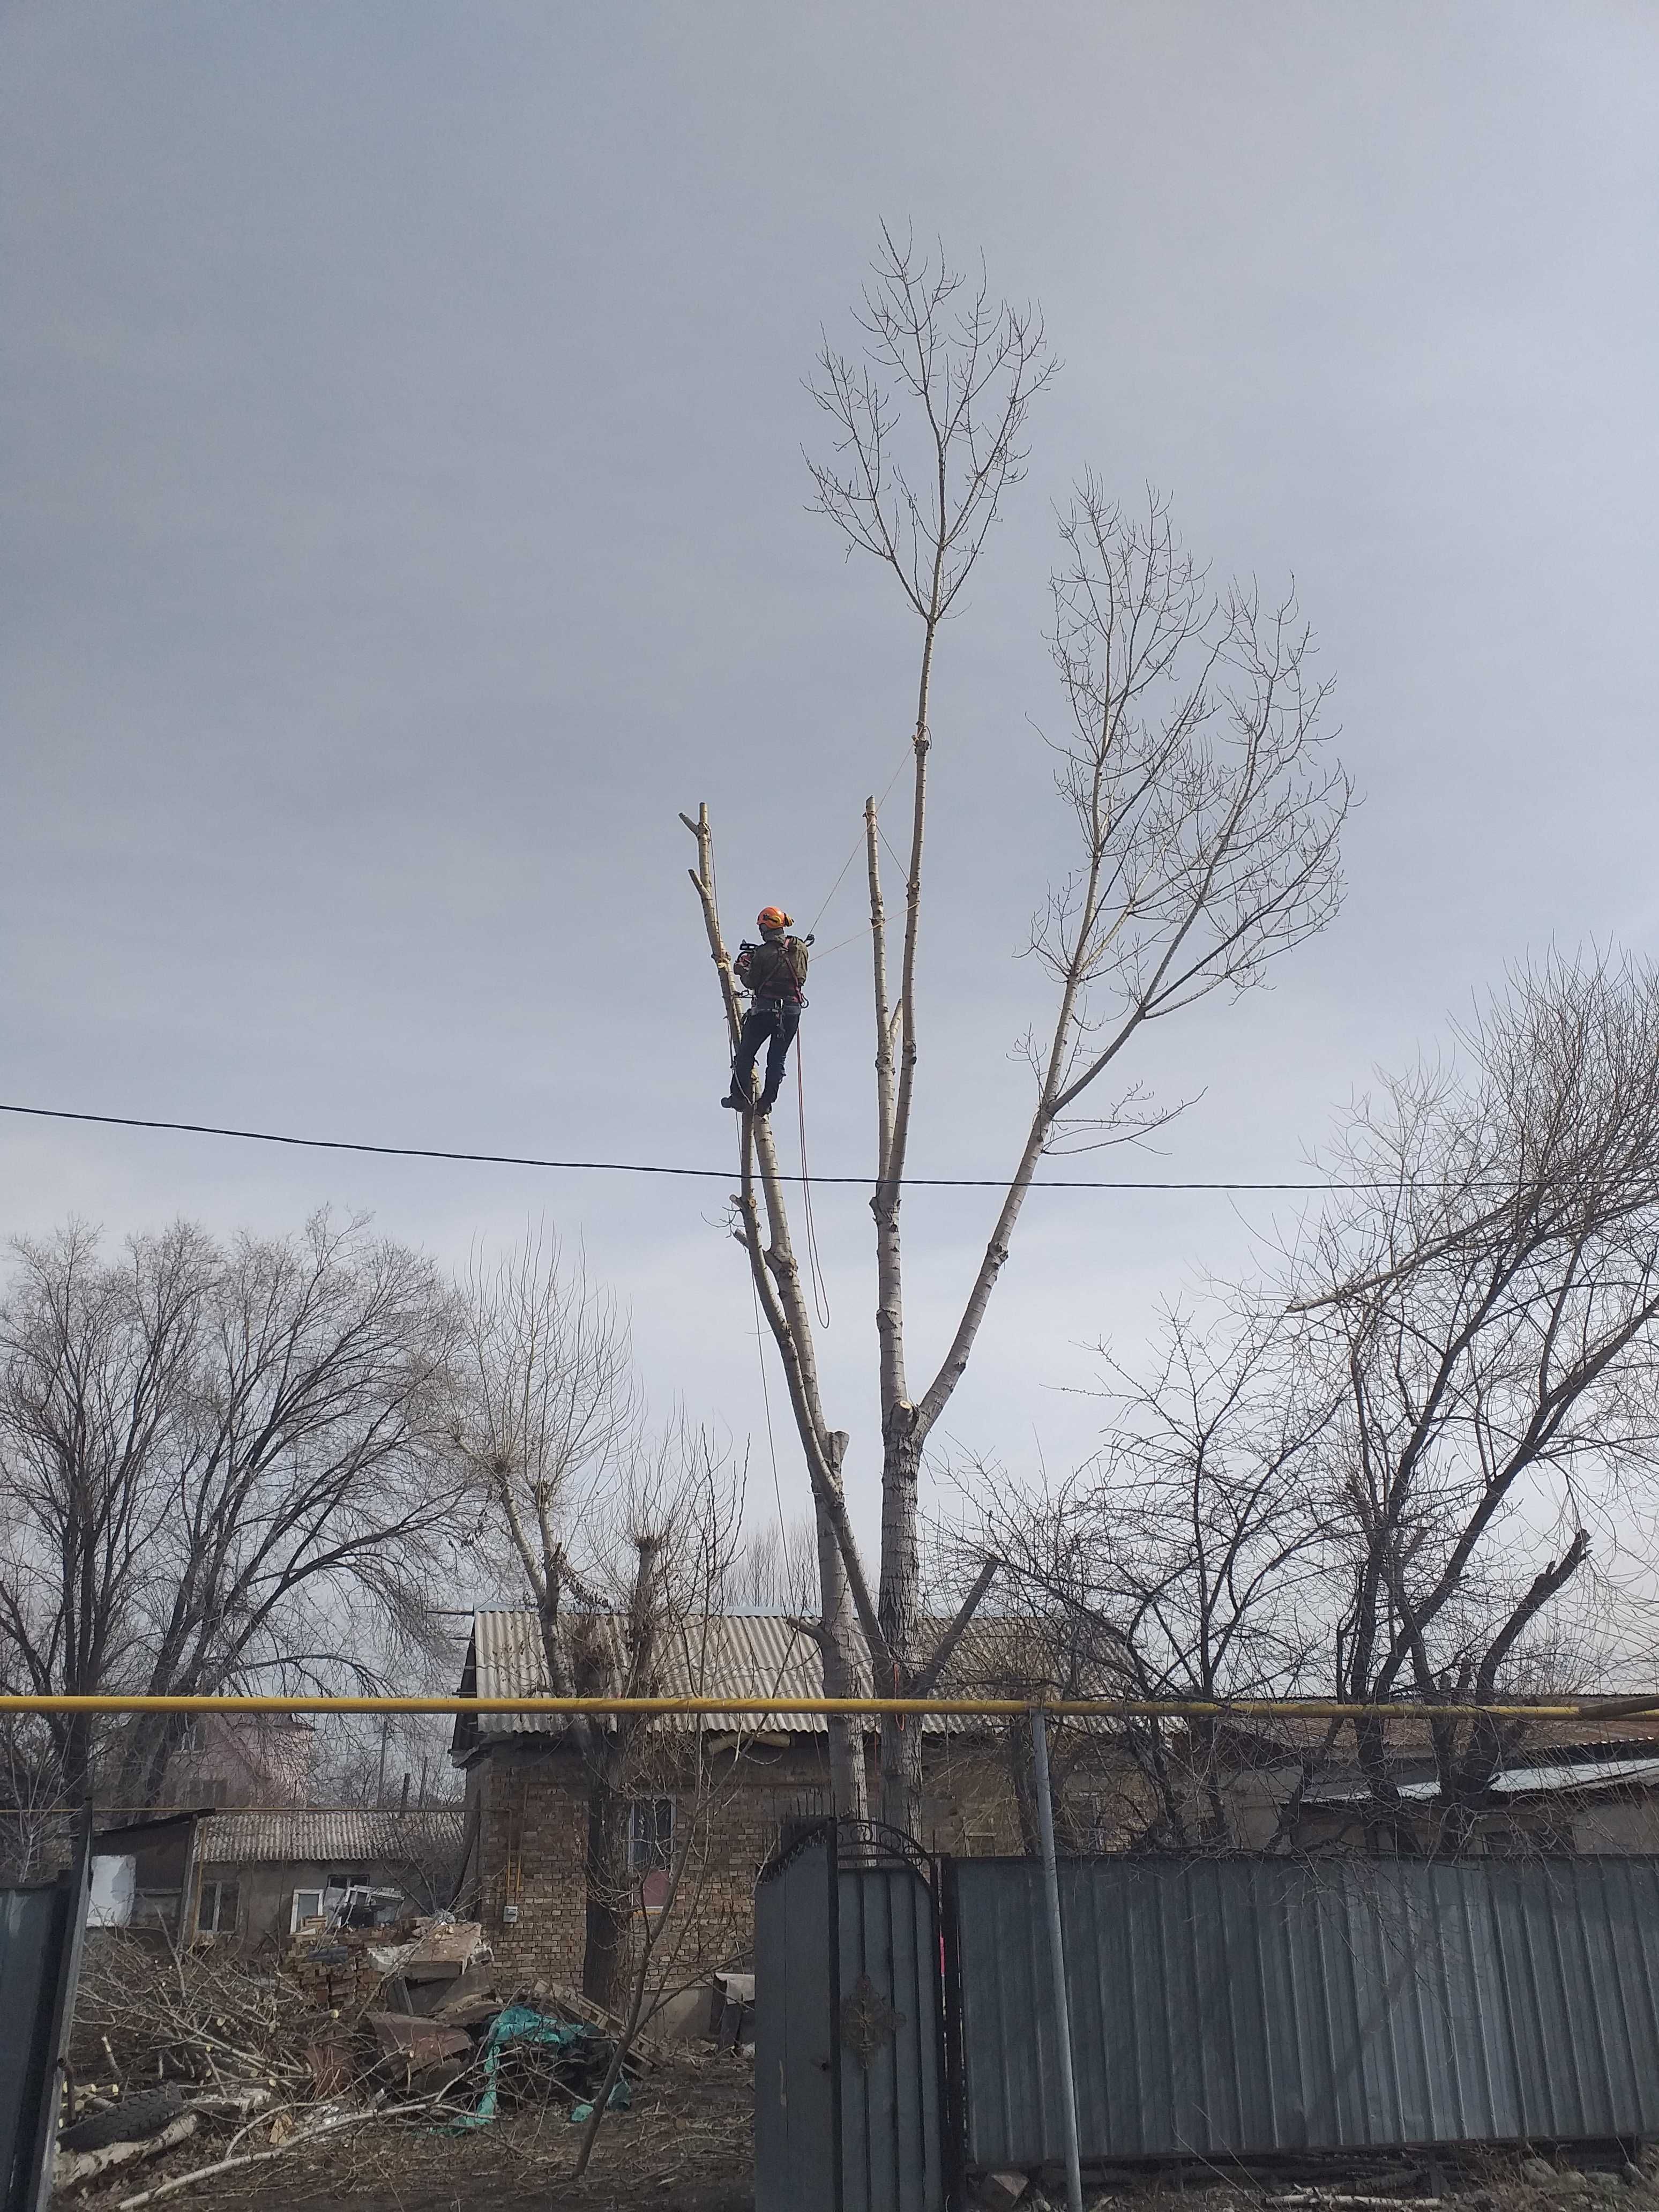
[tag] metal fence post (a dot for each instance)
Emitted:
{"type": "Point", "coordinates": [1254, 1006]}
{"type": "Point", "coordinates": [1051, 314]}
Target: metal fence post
{"type": "Point", "coordinates": [1057, 1960]}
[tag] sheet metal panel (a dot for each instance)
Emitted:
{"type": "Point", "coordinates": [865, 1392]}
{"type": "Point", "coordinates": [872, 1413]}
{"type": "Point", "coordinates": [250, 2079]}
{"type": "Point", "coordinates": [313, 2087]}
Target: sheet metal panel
{"type": "Point", "coordinates": [1252, 2005]}
{"type": "Point", "coordinates": [354, 1836]}
{"type": "Point", "coordinates": [890, 2101]}
{"type": "Point", "coordinates": [30, 1940]}
{"type": "Point", "coordinates": [795, 2137]}
{"type": "Point", "coordinates": [40, 1934]}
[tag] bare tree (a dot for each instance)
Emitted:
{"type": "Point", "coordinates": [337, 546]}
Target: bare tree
{"type": "Point", "coordinates": [621, 1537]}
{"type": "Point", "coordinates": [1206, 832]}
{"type": "Point", "coordinates": [222, 1468]}
{"type": "Point", "coordinates": [1487, 1305]}
{"type": "Point", "coordinates": [391, 1760]}
{"type": "Point", "coordinates": [1426, 1475]}
{"type": "Point", "coordinates": [685, 1916]}
{"type": "Point", "coordinates": [1188, 1561]}
{"type": "Point", "coordinates": [34, 1815]}
{"type": "Point", "coordinates": [776, 1572]}
{"type": "Point", "coordinates": [550, 1421]}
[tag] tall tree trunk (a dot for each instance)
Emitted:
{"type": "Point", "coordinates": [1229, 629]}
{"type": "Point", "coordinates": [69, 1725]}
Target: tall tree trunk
{"type": "Point", "coordinates": [842, 1678]}
{"type": "Point", "coordinates": [76, 1753]}
{"type": "Point", "coordinates": [604, 1957]}
{"type": "Point", "coordinates": [150, 1740]}
{"type": "Point", "coordinates": [898, 1595]}
{"type": "Point", "coordinates": [900, 1608]}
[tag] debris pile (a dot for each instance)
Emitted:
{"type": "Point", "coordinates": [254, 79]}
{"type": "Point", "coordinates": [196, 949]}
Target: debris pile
{"type": "Point", "coordinates": [256, 2060]}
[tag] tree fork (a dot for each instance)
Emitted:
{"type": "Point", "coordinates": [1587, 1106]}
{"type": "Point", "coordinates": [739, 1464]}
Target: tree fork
{"type": "Point", "coordinates": [843, 1590]}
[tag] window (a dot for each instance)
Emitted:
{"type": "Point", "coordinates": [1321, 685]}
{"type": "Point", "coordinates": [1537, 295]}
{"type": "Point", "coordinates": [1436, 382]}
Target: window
{"type": "Point", "coordinates": [216, 1914]}
{"type": "Point", "coordinates": [307, 1906]}
{"type": "Point", "coordinates": [650, 1835]}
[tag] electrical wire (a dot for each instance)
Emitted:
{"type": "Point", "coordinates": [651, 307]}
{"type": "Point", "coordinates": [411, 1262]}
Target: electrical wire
{"type": "Point", "coordinates": [714, 1174]}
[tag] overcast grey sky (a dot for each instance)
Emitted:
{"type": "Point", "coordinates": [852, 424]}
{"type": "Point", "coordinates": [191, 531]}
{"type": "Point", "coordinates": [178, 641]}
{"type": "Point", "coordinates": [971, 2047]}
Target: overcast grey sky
{"type": "Point", "coordinates": [404, 517]}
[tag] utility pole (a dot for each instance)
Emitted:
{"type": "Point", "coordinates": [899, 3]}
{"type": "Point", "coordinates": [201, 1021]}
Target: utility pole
{"type": "Point", "coordinates": [1057, 1961]}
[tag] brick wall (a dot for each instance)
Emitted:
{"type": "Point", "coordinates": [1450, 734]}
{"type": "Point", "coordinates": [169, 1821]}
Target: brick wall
{"type": "Point", "coordinates": [532, 1817]}
{"type": "Point", "coordinates": [533, 1825]}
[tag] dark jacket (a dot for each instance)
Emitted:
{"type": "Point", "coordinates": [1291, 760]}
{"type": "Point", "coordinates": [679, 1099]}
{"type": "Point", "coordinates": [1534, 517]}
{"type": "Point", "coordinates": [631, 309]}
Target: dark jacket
{"type": "Point", "coordinates": [774, 969]}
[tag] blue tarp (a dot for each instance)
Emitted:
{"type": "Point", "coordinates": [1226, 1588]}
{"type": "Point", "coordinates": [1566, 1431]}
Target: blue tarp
{"type": "Point", "coordinates": [520, 2024]}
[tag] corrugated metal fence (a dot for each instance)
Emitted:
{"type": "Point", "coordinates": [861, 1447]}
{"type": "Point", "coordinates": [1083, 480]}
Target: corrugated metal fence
{"type": "Point", "coordinates": [1243, 2006]}
{"type": "Point", "coordinates": [1234, 2007]}
{"type": "Point", "coordinates": [41, 1931]}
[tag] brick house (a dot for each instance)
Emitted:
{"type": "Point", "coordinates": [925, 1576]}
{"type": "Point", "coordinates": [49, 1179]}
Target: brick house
{"type": "Point", "coordinates": [526, 1799]}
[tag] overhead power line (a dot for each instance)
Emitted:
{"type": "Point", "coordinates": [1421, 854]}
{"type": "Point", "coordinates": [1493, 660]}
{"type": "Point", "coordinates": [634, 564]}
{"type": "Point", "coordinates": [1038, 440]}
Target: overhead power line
{"type": "Point", "coordinates": [658, 1166]}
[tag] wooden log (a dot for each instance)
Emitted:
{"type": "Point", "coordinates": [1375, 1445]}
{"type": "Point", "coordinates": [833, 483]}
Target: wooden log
{"type": "Point", "coordinates": [75, 2168]}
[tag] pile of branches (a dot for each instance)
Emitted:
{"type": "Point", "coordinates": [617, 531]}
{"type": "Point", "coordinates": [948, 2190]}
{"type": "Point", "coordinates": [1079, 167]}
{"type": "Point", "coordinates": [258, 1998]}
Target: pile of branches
{"type": "Point", "coordinates": [146, 2016]}
{"type": "Point", "coordinates": [170, 2044]}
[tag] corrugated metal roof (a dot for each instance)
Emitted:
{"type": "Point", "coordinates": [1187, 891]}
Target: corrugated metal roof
{"type": "Point", "coordinates": [1409, 1728]}
{"type": "Point", "coordinates": [349, 1836]}
{"type": "Point", "coordinates": [1520, 1782]}
{"type": "Point", "coordinates": [756, 1654]}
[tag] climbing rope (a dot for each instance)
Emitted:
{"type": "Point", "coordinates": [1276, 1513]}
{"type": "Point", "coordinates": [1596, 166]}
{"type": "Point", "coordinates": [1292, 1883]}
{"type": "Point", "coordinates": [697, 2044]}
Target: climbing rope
{"type": "Point", "coordinates": [841, 943]}
{"type": "Point", "coordinates": [820, 1289]}
{"type": "Point", "coordinates": [857, 842]}
{"type": "Point", "coordinates": [834, 888]}
{"type": "Point", "coordinates": [765, 1399]}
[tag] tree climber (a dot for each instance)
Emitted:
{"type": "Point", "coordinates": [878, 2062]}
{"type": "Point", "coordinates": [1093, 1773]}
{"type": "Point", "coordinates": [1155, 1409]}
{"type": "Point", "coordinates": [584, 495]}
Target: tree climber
{"type": "Point", "coordinates": [772, 972]}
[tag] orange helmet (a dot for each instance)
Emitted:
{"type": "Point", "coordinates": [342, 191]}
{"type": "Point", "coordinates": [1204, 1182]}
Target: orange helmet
{"type": "Point", "coordinates": [773, 917]}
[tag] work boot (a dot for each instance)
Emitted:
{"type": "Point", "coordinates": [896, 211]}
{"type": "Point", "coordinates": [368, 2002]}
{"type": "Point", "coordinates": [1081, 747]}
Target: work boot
{"type": "Point", "coordinates": [766, 1102]}
{"type": "Point", "coordinates": [736, 1101]}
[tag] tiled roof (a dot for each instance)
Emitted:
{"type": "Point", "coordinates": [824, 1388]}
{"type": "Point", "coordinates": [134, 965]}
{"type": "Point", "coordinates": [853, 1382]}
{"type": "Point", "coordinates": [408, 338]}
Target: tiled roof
{"type": "Point", "coordinates": [349, 1835]}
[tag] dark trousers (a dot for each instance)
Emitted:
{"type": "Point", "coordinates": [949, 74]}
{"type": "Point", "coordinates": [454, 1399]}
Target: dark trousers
{"type": "Point", "coordinates": [767, 1019]}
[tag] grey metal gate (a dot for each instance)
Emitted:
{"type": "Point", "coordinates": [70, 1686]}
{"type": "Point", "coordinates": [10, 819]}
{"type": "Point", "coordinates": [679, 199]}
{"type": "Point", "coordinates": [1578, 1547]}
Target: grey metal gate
{"type": "Point", "coordinates": [1249, 2005]}
{"type": "Point", "coordinates": [848, 2052]}
{"type": "Point", "coordinates": [40, 1932]}
{"type": "Point", "coordinates": [797, 2143]}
